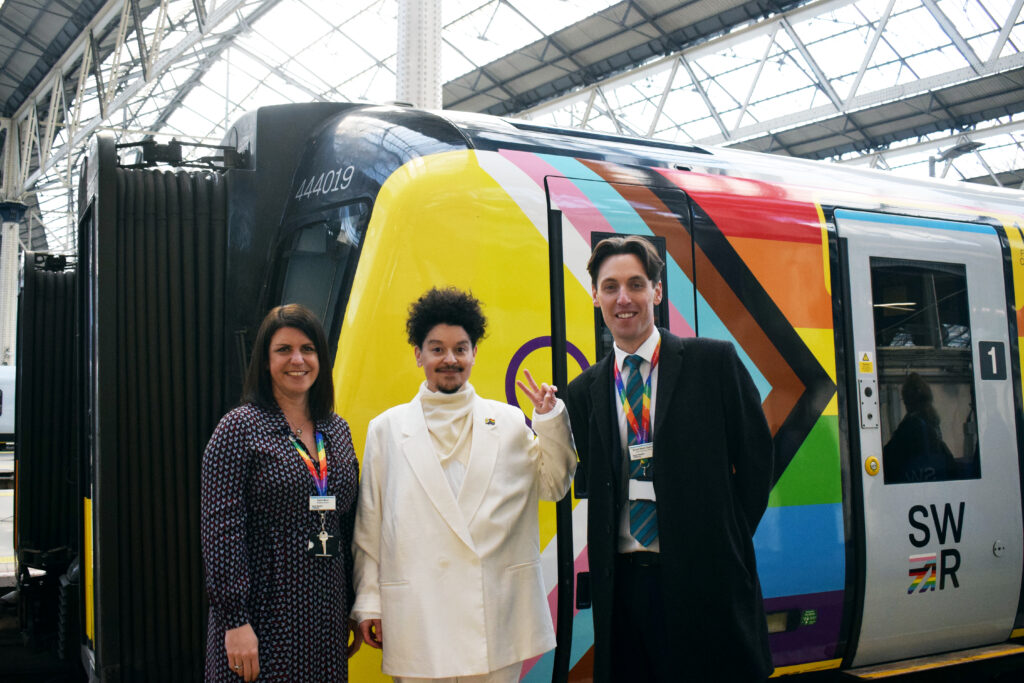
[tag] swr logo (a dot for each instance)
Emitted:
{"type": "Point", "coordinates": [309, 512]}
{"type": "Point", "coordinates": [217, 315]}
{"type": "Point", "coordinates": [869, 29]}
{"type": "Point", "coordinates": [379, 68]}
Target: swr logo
{"type": "Point", "coordinates": [924, 570]}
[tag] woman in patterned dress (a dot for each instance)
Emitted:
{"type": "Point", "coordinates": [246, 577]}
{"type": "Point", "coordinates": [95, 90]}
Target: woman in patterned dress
{"type": "Point", "coordinates": [278, 558]}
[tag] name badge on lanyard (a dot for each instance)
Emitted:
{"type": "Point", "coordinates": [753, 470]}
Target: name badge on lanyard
{"type": "Point", "coordinates": [320, 544]}
{"type": "Point", "coordinates": [641, 451]}
{"type": "Point", "coordinates": [317, 503]}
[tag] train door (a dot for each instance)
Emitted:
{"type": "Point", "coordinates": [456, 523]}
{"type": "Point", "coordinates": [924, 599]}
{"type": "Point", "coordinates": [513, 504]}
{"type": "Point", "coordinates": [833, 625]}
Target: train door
{"type": "Point", "coordinates": [937, 460]}
{"type": "Point", "coordinates": [588, 210]}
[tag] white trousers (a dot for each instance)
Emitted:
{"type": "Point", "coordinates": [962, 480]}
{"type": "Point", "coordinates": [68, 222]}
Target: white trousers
{"type": "Point", "coordinates": [510, 674]}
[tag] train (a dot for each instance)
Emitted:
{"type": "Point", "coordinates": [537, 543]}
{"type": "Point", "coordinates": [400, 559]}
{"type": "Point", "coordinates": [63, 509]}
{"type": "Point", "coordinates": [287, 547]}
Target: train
{"type": "Point", "coordinates": [843, 290]}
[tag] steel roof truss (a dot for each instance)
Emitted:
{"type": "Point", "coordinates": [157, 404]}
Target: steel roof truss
{"type": "Point", "coordinates": [988, 169]}
{"type": "Point", "coordinates": [1004, 33]}
{"type": "Point", "coordinates": [96, 72]}
{"type": "Point", "coordinates": [159, 61]}
{"type": "Point", "coordinates": [664, 98]}
{"type": "Point", "coordinates": [704, 96]}
{"type": "Point", "coordinates": [609, 112]}
{"type": "Point", "coordinates": [870, 52]}
{"type": "Point", "coordinates": [56, 107]}
{"type": "Point", "coordinates": [200, 9]}
{"type": "Point", "coordinates": [590, 107]}
{"type": "Point", "coordinates": [954, 35]}
{"type": "Point", "coordinates": [757, 77]}
{"type": "Point", "coordinates": [137, 22]}
{"type": "Point", "coordinates": [280, 73]}
{"type": "Point", "coordinates": [819, 75]}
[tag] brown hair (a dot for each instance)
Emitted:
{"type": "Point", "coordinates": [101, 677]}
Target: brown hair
{"type": "Point", "coordinates": [258, 387]}
{"type": "Point", "coordinates": [630, 244]}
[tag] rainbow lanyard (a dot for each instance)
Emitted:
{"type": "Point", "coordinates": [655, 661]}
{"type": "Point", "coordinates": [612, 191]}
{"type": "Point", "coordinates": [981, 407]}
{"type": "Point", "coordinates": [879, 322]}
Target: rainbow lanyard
{"type": "Point", "coordinates": [643, 429]}
{"type": "Point", "coordinates": [319, 478]}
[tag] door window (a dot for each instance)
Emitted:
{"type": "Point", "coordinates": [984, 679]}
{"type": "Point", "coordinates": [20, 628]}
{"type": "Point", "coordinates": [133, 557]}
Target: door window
{"type": "Point", "coordinates": [925, 371]}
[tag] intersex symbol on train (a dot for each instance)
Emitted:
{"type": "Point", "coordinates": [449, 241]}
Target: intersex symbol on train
{"type": "Point", "coordinates": [525, 350]}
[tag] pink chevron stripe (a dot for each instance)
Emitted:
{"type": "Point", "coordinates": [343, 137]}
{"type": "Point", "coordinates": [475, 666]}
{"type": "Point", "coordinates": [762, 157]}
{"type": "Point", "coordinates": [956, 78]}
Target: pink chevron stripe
{"type": "Point", "coordinates": [583, 215]}
{"type": "Point", "coordinates": [570, 199]}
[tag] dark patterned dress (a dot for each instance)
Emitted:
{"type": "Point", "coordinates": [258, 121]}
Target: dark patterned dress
{"type": "Point", "coordinates": [256, 523]}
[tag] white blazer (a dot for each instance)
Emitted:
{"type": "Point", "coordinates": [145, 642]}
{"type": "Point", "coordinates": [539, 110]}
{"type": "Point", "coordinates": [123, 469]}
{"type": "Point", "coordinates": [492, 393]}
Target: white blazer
{"type": "Point", "coordinates": [457, 582]}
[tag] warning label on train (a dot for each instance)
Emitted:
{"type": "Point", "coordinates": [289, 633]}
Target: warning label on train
{"type": "Point", "coordinates": [867, 365]}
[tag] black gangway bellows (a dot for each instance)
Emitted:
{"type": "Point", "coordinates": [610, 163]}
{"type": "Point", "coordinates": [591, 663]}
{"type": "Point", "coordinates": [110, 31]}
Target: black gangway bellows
{"type": "Point", "coordinates": [152, 250]}
{"type": "Point", "coordinates": [46, 514]}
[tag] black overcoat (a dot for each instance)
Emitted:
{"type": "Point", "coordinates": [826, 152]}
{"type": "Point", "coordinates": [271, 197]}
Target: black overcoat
{"type": "Point", "coordinates": [712, 477]}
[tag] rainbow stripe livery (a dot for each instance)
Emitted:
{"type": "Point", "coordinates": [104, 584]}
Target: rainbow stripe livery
{"type": "Point", "coordinates": [923, 572]}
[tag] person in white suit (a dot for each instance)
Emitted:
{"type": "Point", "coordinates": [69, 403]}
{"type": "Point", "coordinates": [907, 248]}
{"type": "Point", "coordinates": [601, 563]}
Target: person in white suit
{"type": "Point", "coordinates": [447, 550]}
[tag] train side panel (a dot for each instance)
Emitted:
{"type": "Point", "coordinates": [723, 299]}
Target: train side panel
{"type": "Point", "coordinates": [442, 220]}
{"type": "Point", "coordinates": [478, 221]}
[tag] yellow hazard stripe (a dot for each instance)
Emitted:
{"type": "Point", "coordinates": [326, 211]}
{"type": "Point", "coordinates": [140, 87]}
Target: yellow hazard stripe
{"type": "Point", "coordinates": [90, 610]}
{"type": "Point", "coordinates": [806, 668]}
{"type": "Point", "coordinates": [926, 666]}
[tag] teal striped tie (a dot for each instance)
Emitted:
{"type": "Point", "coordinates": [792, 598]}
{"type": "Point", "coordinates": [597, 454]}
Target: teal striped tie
{"type": "Point", "coordinates": [643, 514]}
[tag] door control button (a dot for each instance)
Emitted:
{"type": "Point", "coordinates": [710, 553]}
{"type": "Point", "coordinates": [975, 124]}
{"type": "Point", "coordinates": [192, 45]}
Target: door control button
{"type": "Point", "coordinates": [871, 466]}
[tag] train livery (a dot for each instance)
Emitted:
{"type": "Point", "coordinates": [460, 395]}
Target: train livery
{"type": "Point", "coordinates": [844, 292]}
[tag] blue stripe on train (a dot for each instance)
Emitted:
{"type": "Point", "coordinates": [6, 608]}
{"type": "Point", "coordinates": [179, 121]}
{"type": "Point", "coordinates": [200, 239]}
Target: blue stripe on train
{"type": "Point", "coordinates": [913, 221]}
{"type": "Point", "coordinates": [582, 640]}
{"type": "Point", "coordinates": [801, 549]}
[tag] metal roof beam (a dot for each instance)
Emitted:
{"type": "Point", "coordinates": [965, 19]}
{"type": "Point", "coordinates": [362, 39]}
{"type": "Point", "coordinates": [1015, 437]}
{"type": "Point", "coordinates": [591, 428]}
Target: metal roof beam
{"type": "Point", "coordinates": [212, 56]}
{"type": "Point", "coordinates": [870, 52]}
{"type": "Point", "coordinates": [634, 55]}
{"type": "Point", "coordinates": [610, 112]}
{"type": "Point", "coordinates": [692, 52]}
{"type": "Point", "coordinates": [280, 73]}
{"type": "Point", "coordinates": [160, 61]}
{"type": "Point", "coordinates": [918, 149]}
{"type": "Point", "coordinates": [754, 81]}
{"type": "Point", "coordinates": [1004, 33]}
{"type": "Point", "coordinates": [664, 98]}
{"type": "Point", "coordinates": [954, 35]}
{"type": "Point", "coordinates": [819, 75]}
{"type": "Point", "coordinates": [704, 96]}
{"type": "Point", "coordinates": [869, 100]}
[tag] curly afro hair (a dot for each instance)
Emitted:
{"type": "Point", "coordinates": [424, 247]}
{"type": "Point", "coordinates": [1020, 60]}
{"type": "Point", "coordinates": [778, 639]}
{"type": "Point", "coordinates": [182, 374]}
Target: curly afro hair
{"type": "Point", "coordinates": [448, 306]}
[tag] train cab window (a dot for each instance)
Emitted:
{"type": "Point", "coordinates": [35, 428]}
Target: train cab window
{"type": "Point", "coordinates": [925, 371]}
{"type": "Point", "coordinates": [319, 261]}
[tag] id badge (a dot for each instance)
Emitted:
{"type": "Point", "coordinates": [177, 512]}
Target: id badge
{"type": "Point", "coordinates": [641, 451]}
{"type": "Point", "coordinates": [641, 490]}
{"type": "Point", "coordinates": [322, 503]}
{"type": "Point", "coordinates": [322, 544]}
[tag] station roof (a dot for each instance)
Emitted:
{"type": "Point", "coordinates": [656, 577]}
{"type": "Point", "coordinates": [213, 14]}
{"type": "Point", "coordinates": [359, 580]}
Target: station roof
{"type": "Point", "coordinates": [855, 81]}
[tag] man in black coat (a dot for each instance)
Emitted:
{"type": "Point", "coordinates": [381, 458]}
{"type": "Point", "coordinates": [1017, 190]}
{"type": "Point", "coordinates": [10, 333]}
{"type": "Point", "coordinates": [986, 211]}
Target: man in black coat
{"type": "Point", "coordinates": [674, 580]}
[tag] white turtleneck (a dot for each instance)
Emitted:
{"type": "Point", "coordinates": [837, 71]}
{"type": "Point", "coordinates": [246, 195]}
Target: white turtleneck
{"type": "Point", "coordinates": [451, 429]}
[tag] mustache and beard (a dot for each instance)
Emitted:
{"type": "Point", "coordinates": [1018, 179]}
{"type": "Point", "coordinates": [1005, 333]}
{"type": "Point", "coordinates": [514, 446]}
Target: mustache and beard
{"type": "Point", "coordinates": [456, 368]}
